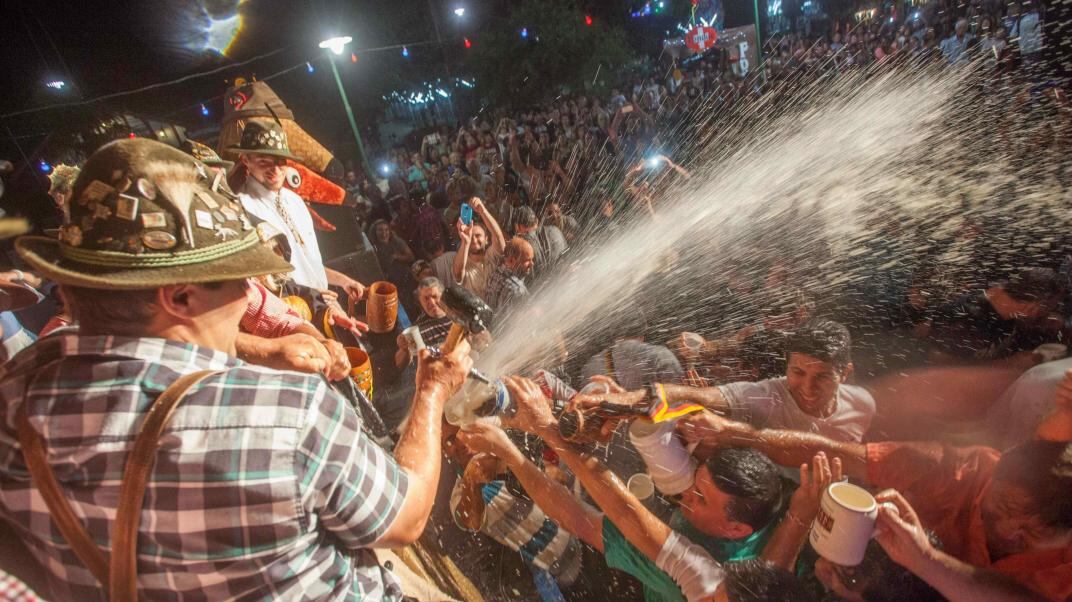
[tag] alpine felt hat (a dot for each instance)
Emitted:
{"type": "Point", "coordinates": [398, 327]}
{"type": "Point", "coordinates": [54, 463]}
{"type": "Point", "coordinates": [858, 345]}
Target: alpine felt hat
{"type": "Point", "coordinates": [264, 137]}
{"type": "Point", "coordinates": [205, 154]}
{"type": "Point", "coordinates": [143, 215]}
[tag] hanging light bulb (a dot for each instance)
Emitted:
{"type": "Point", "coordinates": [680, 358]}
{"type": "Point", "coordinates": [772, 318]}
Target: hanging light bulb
{"type": "Point", "coordinates": [204, 110]}
{"type": "Point", "coordinates": [468, 44]}
{"type": "Point", "coordinates": [309, 67]}
{"type": "Point", "coordinates": [524, 33]}
{"type": "Point", "coordinates": [405, 52]}
{"type": "Point", "coordinates": [588, 20]}
{"type": "Point", "coordinates": [353, 57]}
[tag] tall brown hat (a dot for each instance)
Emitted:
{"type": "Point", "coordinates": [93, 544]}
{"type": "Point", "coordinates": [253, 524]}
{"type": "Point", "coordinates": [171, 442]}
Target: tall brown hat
{"type": "Point", "coordinates": [264, 137]}
{"type": "Point", "coordinates": [145, 214]}
{"type": "Point", "coordinates": [255, 99]}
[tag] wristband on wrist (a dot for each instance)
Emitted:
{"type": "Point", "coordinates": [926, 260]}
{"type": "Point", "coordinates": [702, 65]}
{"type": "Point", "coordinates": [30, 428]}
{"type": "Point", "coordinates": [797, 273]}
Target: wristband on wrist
{"type": "Point", "coordinates": [657, 392]}
{"type": "Point", "coordinates": [796, 520]}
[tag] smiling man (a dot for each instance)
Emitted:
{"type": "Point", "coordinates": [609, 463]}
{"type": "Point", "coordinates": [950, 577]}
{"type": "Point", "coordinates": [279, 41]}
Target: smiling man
{"type": "Point", "coordinates": [811, 397]}
{"type": "Point", "coordinates": [264, 151]}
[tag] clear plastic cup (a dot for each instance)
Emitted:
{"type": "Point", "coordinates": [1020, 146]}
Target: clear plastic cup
{"type": "Point", "coordinates": [641, 486]}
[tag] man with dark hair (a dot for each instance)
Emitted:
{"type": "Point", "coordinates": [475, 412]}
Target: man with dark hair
{"type": "Point", "coordinates": [811, 397]}
{"type": "Point", "coordinates": [1011, 512]}
{"type": "Point", "coordinates": [731, 510]}
{"type": "Point", "coordinates": [267, 485]}
{"type": "Point", "coordinates": [757, 580]}
{"type": "Point", "coordinates": [480, 249]}
{"type": "Point", "coordinates": [669, 564]}
{"type": "Point", "coordinates": [547, 240]}
{"type": "Point", "coordinates": [1002, 322]}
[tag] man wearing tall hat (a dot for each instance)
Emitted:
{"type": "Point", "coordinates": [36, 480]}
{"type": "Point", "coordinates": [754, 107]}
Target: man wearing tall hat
{"type": "Point", "coordinates": [265, 485]}
{"type": "Point", "coordinates": [264, 151]}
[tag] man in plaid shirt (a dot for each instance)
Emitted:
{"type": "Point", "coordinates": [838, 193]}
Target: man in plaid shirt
{"type": "Point", "coordinates": [265, 485]}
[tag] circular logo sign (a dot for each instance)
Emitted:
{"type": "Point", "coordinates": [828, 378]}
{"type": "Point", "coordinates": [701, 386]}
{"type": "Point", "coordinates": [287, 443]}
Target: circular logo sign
{"type": "Point", "coordinates": [701, 38]}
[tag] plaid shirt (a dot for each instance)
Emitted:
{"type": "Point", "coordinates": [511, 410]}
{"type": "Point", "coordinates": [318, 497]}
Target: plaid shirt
{"type": "Point", "coordinates": [267, 315]}
{"type": "Point", "coordinates": [265, 486]}
{"type": "Point", "coordinates": [504, 288]}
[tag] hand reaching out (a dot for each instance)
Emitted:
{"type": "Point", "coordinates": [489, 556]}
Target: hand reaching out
{"type": "Point", "coordinates": [533, 409]}
{"type": "Point", "coordinates": [489, 439]}
{"type": "Point", "coordinates": [900, 532]}
{"type": "Point", "coordinates": [814, 480]}
{"type": "Point", "coordinates": [703, 428]}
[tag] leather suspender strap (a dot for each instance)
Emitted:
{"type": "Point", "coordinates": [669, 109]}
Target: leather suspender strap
{"type": "Point", "coordinates": [121, 578]}
{"type": "Point", "coordinates": [33, 452]}
{"type": "Point", "coordinates": [140, 461]}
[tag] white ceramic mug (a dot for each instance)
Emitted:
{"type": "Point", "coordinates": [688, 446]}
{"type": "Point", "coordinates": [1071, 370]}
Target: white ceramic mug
{"type": "Point", "coordinates": [671, 466]}
{"type": "Point", "coordinates": [414, 340]}
{"type": "Point", "coordinates": [845, 524]}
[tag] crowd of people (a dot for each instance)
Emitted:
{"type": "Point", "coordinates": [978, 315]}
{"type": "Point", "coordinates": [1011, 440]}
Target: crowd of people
{"type": "Point", "coordinates": [687, 453]}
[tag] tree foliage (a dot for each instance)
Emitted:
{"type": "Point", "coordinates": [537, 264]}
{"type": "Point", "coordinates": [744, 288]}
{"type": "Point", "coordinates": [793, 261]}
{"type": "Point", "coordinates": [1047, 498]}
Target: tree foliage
{"type": "Point", "coordinates": [560, 51]}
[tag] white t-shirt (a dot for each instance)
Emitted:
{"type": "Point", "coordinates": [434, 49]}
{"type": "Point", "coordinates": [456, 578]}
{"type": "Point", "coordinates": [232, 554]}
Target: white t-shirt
{"type": "Point", "coordinates": [1017, 413]}
{"type": "Point", "coordinates": [305, 257]}
{"type": "Point", "coordinates": [633, 364]}
{"type": "Point", "coordinates": [768, 404]}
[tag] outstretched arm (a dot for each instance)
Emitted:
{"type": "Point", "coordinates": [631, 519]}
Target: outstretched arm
{"type": "Point", "coordinates": [642, 528]}
{"type": "Point", "coordinates": [552, 497]}
{"type": "Point", "coordinates": [902, 536]}
{"type": "Point", "coordinates": [788, 448]}
{"type": "Point", "coordinates": [461, 258]}
{"type": "Point", "coordinates": [498, 240]}
{"type": "Point", "coordinates": [419, 448]}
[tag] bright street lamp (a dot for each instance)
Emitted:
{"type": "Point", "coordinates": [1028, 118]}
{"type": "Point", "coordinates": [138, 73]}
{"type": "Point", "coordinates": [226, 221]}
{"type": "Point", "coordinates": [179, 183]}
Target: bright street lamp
{"type": "Point", "coordinates": [336, 44]}
{"type": "Point", "coordinates": [460, 11]}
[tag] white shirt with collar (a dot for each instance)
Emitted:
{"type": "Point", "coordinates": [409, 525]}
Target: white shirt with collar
{"type": "Point", "coordinates": [304, 256]}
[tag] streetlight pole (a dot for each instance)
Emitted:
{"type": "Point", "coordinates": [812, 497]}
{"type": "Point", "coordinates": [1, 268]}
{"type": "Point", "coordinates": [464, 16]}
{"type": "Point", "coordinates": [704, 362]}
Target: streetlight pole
{"type": "Point", "coordinates": [759, 43]}
{"type": "Point", "coordinates": [335, 46]}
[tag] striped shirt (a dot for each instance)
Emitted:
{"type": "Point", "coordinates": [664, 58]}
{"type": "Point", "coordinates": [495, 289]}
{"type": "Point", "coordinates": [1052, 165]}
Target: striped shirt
{"type": "Point", "coordinates": [434, 330]}
{"type": "Point", "coordinates": [265, 486]}
{"type": "Point", "coordinates": [520, 525]}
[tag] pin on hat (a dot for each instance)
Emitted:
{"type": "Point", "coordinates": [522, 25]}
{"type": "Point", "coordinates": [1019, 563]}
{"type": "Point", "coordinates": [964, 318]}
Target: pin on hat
{"type": "Point", "coordinates": [205, 154]}
{"type": "Point", "coordinates": [152, 234]}
{"type": "Point", "coordinates": [264, 137]}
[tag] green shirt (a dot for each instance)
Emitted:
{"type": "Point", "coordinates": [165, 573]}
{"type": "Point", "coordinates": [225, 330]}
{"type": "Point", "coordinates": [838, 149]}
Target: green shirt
{"type": "Point", "coordinates": [658, 586]}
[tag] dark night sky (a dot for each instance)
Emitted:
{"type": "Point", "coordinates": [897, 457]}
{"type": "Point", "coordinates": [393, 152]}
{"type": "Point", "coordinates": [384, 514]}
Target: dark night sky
{"type": "Point", "coordinates": [108, 47]}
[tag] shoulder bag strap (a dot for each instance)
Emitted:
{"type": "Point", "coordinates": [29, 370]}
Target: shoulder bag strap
{"type": "Point", "coordinates": [131, 493]}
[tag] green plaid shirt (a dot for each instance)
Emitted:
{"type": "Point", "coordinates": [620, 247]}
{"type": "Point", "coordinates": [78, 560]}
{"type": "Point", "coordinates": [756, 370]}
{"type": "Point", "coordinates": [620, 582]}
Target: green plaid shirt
{"type": "Point", "coordinates": [265, 486]}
